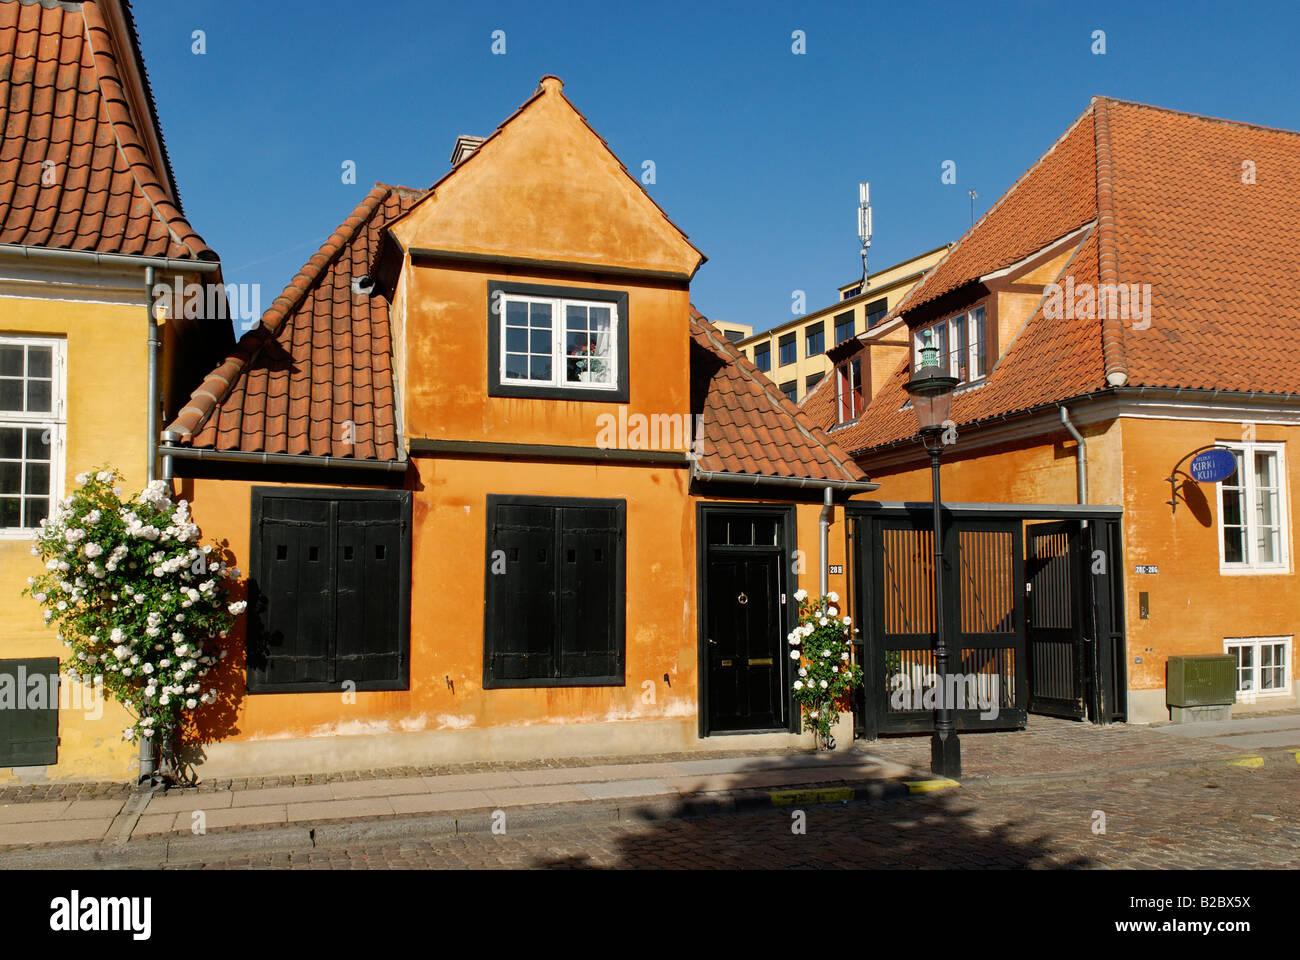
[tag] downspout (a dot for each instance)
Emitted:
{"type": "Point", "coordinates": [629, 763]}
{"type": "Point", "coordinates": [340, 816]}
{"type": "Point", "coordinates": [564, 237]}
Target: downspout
{"type": "Point", "coordinates": [1081, 455]}
{"type": "Point", "coordinates": [824, 522]}
{"type": "Point", "coordinates": [148, 765]}
{"type": "Point", "coordinates": [151, 472]}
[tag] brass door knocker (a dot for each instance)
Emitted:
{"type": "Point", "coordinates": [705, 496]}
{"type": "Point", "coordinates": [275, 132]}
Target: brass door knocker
{"type": "Point", "coordinates": [742, 599]}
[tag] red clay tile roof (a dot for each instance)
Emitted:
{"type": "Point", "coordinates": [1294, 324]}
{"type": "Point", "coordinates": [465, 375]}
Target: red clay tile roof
{"type": "Point", "coordinates": [315, 377]}
{"type": "Point", "coordinates": [73, 93]}
{"type": "Point", "coordinates": [1163, 197]}
{"type": "Point", "coordinates": [748, 425]}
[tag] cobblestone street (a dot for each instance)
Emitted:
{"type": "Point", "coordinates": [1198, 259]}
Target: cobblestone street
{"type": "Point", "coordinates": [1208, 816]}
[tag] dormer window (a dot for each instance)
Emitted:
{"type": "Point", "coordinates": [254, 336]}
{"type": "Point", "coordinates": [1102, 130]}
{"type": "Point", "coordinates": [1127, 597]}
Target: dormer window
{"type": "Point", "coordinates": [848, 390]}
{"type": "Point", "coordinates": [961, 342]}
{"type": "Point", "coordinates": [557, 342]}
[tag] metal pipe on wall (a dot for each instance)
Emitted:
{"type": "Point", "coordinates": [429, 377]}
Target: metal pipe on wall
{"type": "Point", "coordinates": [1081, 456]}
{"type": "Point", "coordinates": [824, 523]}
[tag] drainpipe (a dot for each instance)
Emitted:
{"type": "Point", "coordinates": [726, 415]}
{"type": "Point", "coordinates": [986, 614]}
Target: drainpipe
{"type": "Point", "coordinates": [824, 522]}
{"type": "Point", "coordinates": [1081, 455]}
{"type": "Point", "coordinates": [148, 767]}
{"type": "Point", "coordinates": [152, 466]}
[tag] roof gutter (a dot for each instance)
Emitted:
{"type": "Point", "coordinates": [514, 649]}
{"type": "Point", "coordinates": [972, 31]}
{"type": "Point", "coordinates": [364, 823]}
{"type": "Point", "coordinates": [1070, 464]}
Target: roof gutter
{"type": "Point", "coordinates": [171, 452]}
{"type": "Point", "coordinates": [766, 480]}
{"type": "Point", "coordinates": [29, 252]}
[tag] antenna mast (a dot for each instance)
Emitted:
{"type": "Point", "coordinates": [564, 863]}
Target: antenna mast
{"type": "Point", "coordinates": [864, 227]}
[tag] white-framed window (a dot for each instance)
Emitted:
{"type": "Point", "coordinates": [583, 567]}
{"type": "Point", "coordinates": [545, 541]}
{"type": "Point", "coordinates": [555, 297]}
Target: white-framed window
{"type": "Point", "coordinates": [31, 431]}
{"type": "Point", "coordinates": [961, 341]}
{"type": "Point", "coordinates": [1263, 666]}
{"type": "Point", "coordinates": [562, 343]}
{"type": "Point", "coordinates": [848, 390]}
{"type": "Point", "coordinates": [1252, 511]}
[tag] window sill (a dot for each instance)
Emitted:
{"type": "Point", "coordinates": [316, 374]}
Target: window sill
{"type": "Point", "coordinates": [1247, 571]}
{"type": "Point", "coordinates": [555, 682]}
{"type": "Point", "coordinates": [523, 391]}
{"type": "Point", "coordinates": [18, 534]}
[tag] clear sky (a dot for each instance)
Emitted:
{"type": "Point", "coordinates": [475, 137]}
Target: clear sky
{"type": "Point", "coordinates": [757, 150]}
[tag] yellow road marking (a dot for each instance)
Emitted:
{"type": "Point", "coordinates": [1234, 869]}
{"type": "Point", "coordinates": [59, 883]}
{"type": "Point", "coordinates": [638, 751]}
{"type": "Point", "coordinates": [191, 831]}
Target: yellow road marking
{"type": "Point", "coordinates": [927, 786]}
{"type": "Point", "coordinates": [1247, 762]}
{"type": "Point", "coordinates": [825, 795]}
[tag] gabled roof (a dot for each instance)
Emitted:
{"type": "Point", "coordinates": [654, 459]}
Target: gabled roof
{"type": "Point", "coordinates": [82, 163]}
{"type": "Point", "coordinates": [315, 377]}
{"type": "Point", "coordinates": [1157, 197]}
{"type": "Point", "coordinates": [748, 425]}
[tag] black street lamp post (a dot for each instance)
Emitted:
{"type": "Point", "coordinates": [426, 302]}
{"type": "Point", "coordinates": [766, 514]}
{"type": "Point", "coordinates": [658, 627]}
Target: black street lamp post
{"type": "Point", "coordinates": [931, 389]}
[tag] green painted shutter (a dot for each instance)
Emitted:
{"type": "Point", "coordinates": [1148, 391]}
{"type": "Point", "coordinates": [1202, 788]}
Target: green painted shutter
{"type": "Point", "coordinates": [29, 719]}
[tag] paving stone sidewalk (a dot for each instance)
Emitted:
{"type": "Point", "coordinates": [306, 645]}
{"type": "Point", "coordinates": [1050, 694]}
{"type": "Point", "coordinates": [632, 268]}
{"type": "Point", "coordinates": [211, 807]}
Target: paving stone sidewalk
{"type": "Point", "coordinates": [440, 797]}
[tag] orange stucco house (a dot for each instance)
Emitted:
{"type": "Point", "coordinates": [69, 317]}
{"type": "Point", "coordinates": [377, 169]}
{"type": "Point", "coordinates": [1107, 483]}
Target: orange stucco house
{"type": "Point", "coordinates": [498, 490]}
{"type": "Point", "coordinates": [1116, 317]}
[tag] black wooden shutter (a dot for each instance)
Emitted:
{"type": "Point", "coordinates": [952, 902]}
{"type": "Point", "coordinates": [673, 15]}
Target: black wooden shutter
{"type": "Point", "coordinates": [293, 642]}
{"type": "Point", "coordinates": [368, 597]}
{"type": "Point", "coordinates": [591, 597]}
{"type": "Point", "coordinates": [522, 612]}
{"type": "Point", "coordinates": [29, 737]}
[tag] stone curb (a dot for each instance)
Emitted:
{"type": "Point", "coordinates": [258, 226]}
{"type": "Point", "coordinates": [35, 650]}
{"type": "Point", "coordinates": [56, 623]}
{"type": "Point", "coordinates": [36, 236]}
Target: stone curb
{"type": "Point", "coordinates": [325, 835]}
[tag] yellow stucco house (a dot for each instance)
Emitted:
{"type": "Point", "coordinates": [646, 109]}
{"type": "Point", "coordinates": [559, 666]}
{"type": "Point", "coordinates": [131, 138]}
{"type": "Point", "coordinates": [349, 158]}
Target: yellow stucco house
{"type": "Point", "coordinates": [90, 221]}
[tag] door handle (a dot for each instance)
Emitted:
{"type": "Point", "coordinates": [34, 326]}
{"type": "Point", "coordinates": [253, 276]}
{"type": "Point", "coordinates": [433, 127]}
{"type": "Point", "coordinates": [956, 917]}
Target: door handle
{"type": "Point", "coordinates": [712, 641]}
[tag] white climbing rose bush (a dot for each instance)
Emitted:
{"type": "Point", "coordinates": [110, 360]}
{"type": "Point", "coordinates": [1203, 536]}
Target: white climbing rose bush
{"type": "Point", "coordinates": [136, 597]}
{"type": "Point", "coordinates": [821, 648]}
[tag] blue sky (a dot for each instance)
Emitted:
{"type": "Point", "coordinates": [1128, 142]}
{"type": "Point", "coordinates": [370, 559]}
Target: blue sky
{"type": "Point", "coordinates": [757, 150]}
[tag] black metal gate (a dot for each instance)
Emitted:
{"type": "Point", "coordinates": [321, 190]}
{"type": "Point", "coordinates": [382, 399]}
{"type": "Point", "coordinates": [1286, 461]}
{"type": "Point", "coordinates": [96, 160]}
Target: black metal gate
{"type": "Point", "coordinates": [983, 610]}
{"type": "Point", "coordinates": [1034, 614]}
{"type": "Point", "coordinates": [1058, 635]}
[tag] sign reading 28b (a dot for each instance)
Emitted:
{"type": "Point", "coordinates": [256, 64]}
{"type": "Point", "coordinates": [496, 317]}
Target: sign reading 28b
{"type": "Point", "coordinates": [1211, 466]}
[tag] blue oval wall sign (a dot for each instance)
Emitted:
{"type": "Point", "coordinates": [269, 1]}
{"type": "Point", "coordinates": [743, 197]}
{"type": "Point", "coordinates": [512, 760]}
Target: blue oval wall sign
{"type": "Point", "coordinates": [1211, 466]}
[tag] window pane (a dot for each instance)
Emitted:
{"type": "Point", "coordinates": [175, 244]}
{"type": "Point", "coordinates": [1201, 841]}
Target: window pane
{"type": "Point", "coordinates": [37, 509]}
{"type": "Point", "coordinates": [515, 339]}
{"type": "Point", "coordinates": [516, 366]}
{"type": "Point", "coordinates": [38, 443]}
{"type": "Point", "coordinates": [11, 361]}
{"type": "Point", "coordinates": [11, 395]}
{"type": "Point", "coordinates": [1234, 544]}
{"type": "Point", "coordinates": [11, 478]}
{"type": "Point", "coordinates": [516, 313]}
{"type": "Point", "coordinates": [977, 343]}
{"type": "Point", "coordinates": [39, 361]}
{"type": "Point", "coordinates": [539, 368]}
{"type": "Point", "coordinates": [38, 478]}
{"type": "Point", "coordinates": [11, 443]}
{"type": "Point", "coordinates": [539, 315]}
{"type": "Point", "coordinates": [10, 512]}
{"type": "Point", "coordinates": [39, 396]}
{"type": "Point", "coordinates": [540, 341]}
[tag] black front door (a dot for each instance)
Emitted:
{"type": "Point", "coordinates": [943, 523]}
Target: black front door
{"type": "Point", "coordinates": [1058, 661]}
{"type": "Point", "coordinates": [744, 641]}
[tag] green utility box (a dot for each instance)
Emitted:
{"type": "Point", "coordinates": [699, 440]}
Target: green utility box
{"type": "Point", "coordinates": [1201, 687]}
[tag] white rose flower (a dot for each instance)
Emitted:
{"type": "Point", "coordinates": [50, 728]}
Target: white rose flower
{"type": "Point", "coordinates": [798, 684]}
{"type": "Point", "coordinates": [822, 684]}
{"type": "Point", "coordinates": [848, 621]}
{"type": "Point", "coordinates": [832, 611]}
{"type": "Point", "coordinates": [833, 597]}
{"type": "Point", "coordinates": [238, 607]}
{"type": "Point", "coordinates": [794, 654]}
{"type": "Point", "coordinates": [801, 595]}
{"type": "Point", "coordinates": [191, 703]}
{"type": "Point", "coordinates": [802, 672]}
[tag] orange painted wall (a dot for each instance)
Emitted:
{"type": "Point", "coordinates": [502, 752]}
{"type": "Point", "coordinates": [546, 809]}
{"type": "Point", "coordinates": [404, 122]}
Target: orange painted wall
{"type": "Point", "coordinates": [1193, 607]}
{"type": "Point", "coordinates": [446, 362]}
{"type": "Point", "coordinates": [447, 594]}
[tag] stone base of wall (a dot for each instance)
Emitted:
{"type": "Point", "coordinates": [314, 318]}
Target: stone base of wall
{"type": "Point", "coordinates": [1149, 706]}
{"type": "Point", "coordinates": [263, 758]}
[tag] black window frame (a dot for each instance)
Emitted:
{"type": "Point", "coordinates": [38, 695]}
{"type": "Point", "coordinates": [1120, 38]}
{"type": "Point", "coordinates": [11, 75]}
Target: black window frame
{"type": "Point", "coordinates": [619, 625]}
{"type": "Point", "coordinates": [787, 342]}
{"type": "Point", "coordinates": [815, 330]}
{"type": "Point", "coordinates": [496, 388]}
{"type": "Point", "coordinates": [813, 379]}
{"type": "Point", "coordinates": [764, 351]}
{"type": "Point", "coordinates": [791, 389]}
{"type": "Point", "coordinates": [847, 319]}
{"type": "Point", "coordinates": [875, 311]}
{"type": "Point", "coordinates": [256, 681]}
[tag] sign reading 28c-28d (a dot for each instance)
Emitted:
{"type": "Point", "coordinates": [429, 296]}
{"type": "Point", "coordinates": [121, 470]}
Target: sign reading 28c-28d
{"type": "Point", "coordinates": [1211, 466]}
